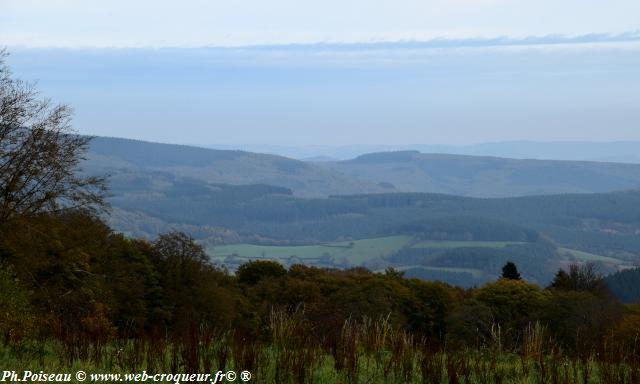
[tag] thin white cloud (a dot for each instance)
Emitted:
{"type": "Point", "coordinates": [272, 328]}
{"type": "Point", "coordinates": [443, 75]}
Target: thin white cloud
{"type": "Point", "coordinates": [547, 88]}
{"type": "Point", "coordinates": [193, 23]}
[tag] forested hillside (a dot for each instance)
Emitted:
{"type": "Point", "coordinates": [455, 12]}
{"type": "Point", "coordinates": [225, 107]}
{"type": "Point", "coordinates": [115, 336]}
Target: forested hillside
{"type": "Point", "coordinates": [481, 176]}
{"type": "Point", "coordinates": [133, 161]}
{"type": "Point", "coordinates": [451, 238]}
{"type": "Point", "coordinates": [242, 206]}
{"type": "Point", "coordinates": [625, 285]}
{"type": "Point", "coordinates": [406, 171]}
{"type": "Point", "coordinates": [603, 223]}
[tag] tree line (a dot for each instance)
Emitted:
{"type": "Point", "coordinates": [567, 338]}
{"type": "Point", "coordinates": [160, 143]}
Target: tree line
{"type": "Point", "coordinates": [67, 276]}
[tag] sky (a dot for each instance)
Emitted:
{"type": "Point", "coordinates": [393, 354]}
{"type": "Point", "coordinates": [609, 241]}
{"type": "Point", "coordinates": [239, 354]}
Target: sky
{"type": "Point", "coordinates": [286, 72]}
{"type": "Point", "coordinates": [145, 23]}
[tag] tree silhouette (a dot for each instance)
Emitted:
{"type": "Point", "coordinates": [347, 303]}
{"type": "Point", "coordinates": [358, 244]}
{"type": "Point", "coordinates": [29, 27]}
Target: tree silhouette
{"type": "Point", "coordinates": [510, 271]}
{"type": "Point", "coordinates": [40, 154]}
{"type": "Point", "coordinates": [580, 278]}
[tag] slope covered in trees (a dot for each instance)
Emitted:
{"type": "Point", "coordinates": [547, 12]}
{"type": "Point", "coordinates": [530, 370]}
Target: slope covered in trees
{"type": "Point", "coordinates": [481, 176]}
{"type": "Point", "coordinates": [406, 171]}
{"type": "Point", "coordinates": [552, 230]}
{"type": "Point", "coordinates": [625, 285]}
{"type": "Point", "coordinates": [601, 223]}
{"type": "Point", "coordinates": [153, 163]}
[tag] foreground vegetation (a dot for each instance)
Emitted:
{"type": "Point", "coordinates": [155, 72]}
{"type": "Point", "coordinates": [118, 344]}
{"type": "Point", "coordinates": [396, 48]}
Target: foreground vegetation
{"type": "Point", "coordinates": [76, 294]}
{"type": "Point", "coordinates": [366, 352]}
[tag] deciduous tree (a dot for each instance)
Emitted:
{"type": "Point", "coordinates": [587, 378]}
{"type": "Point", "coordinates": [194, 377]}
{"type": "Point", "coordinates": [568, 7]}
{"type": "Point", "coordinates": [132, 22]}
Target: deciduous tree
{"type": "Point", "coordinates": [40, 154]}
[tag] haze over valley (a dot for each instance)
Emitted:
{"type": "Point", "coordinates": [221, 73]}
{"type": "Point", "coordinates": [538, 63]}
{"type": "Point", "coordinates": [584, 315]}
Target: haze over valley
{"type": "Point", "coordinates": [426, 214]}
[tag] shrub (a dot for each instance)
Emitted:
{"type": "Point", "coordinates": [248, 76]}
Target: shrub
{"type": "Point", "coordinates": [17, 321]}
{"type": "Point", "coordinates": [252, 272]}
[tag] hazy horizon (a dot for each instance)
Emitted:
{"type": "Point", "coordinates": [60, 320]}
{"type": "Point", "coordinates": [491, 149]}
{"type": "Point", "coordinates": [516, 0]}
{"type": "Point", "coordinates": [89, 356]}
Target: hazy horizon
{"type": "Point", "coordinates": [395, 73]}
{"type": "Point", "coordinates": [393, 93]}
{"type": "Point", "coordinates": [605, 151]}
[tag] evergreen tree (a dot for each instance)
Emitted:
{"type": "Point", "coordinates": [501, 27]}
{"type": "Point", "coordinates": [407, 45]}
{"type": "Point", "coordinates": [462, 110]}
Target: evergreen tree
{"type": "Point", "coordinates": [510, 271]}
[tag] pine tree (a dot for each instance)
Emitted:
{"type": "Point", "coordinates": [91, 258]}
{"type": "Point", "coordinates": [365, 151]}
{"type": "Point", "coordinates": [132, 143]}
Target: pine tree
{"type": "Point", "coordinates": [510, 271]}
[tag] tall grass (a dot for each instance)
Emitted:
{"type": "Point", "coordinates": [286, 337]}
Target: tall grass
{"type": "Point", "coordinates": [365, 350]}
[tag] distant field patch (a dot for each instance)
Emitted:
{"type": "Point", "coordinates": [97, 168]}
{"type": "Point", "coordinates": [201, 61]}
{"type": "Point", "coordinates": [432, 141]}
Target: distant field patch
{"type": "Point", "coordinates": [586, 256]}
{"type": "Point", "coordinates": [475, 272]}
{"type": "Point", "coordinates": [465, 244]}
{"type": "Point", "coordinates": [346, 252]}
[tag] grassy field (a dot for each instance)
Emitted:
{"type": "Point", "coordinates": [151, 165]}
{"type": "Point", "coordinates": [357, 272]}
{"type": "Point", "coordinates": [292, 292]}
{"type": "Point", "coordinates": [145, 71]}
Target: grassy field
{"type": "Point", "coordinates": [347, 252]}
{"type": "Point", "coordinates": [275, 364]}
{"type": "Point", "coordinates": [292, 357]}
{"type": "Point", "coordinates": [355, 252]}
{"type": "Point", "coordinates": [585, 256]}
{"type": "Point", "coordinates": [475, 272]}
{"type": "Point", "coordinates": [372, 252]}
{"type": "Point", "coordinates": [464, 244]}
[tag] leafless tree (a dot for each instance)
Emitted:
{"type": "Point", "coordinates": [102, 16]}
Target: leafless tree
{"type": "Point", "coordinates": [40, 154]}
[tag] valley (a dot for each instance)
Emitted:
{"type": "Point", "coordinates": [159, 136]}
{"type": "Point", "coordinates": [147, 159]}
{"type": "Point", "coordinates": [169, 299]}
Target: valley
{"type": "Point", "coordinates": [436, 217]}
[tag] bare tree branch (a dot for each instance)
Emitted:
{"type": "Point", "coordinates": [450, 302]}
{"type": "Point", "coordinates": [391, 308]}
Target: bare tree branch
{"type": "Point", "coordinates": [40, 154]}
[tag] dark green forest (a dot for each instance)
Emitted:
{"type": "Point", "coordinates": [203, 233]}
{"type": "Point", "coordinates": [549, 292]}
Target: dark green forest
{"type": "Point", "coordinates": [572, 219]}
{"type": "Point", "coordinates": [541, 228]}
{"type": "Point", "coordinates": [401, 171]}
{"type": "Point", "coordinates": [605, 223]}
{"type": "Point", "coordinates": [625, 285]}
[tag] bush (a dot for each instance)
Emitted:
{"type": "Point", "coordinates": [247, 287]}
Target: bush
{"type": "Point", "coordinates": [252, 272]}
{"type": "Point", "coordinates": [17, 321]}
{"type": "Point", "coordinates": [469, 325]}
{"type": "Point", "coordinates": [579, 320]}
{"type": "Point", "coordinates": [626, 336]}
{"type": "Point", "coordinates": [513, 303]}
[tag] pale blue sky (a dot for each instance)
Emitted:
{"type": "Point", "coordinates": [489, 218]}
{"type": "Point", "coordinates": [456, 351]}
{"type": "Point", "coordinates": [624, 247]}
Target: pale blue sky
{"type": "Point", "coordinates": [127, 23]}
{"type": "Point", "coordinates": [430, 71]}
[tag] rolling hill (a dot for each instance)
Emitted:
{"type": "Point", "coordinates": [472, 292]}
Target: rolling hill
{"type": "Point", "coordinates": [459, 239]}
{"type": "Point", "coordinates": [154, 164]}
{"type": "Point", "coordinates": [481, 176]}
{"type": "Point", "coordinates": [131, 161]}
{"type": "Point", "coordinates": [613, 151]}
{"type": "Point", "coordinates": [243, 205]}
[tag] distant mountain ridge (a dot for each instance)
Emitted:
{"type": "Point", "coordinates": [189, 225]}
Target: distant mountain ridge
{"type": "Point", "coordinates": [485, 176]}
{"type": "Point", "coordinates": [399, 171]}
{"type": "Point", "coordinates": [614, 151]}
{"type": "Point", "coordinates": [125, 158]}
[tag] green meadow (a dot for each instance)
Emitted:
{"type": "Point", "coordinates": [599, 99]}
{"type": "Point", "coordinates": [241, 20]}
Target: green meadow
{"type": "Point", "coordinates": [360, 252]}
{"type": "Point", "coordinates": [354, 252]}
{"type": "Point", "coordinates": [464, 244]}
{"type": "Point", "coordinates": [586, 256]}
